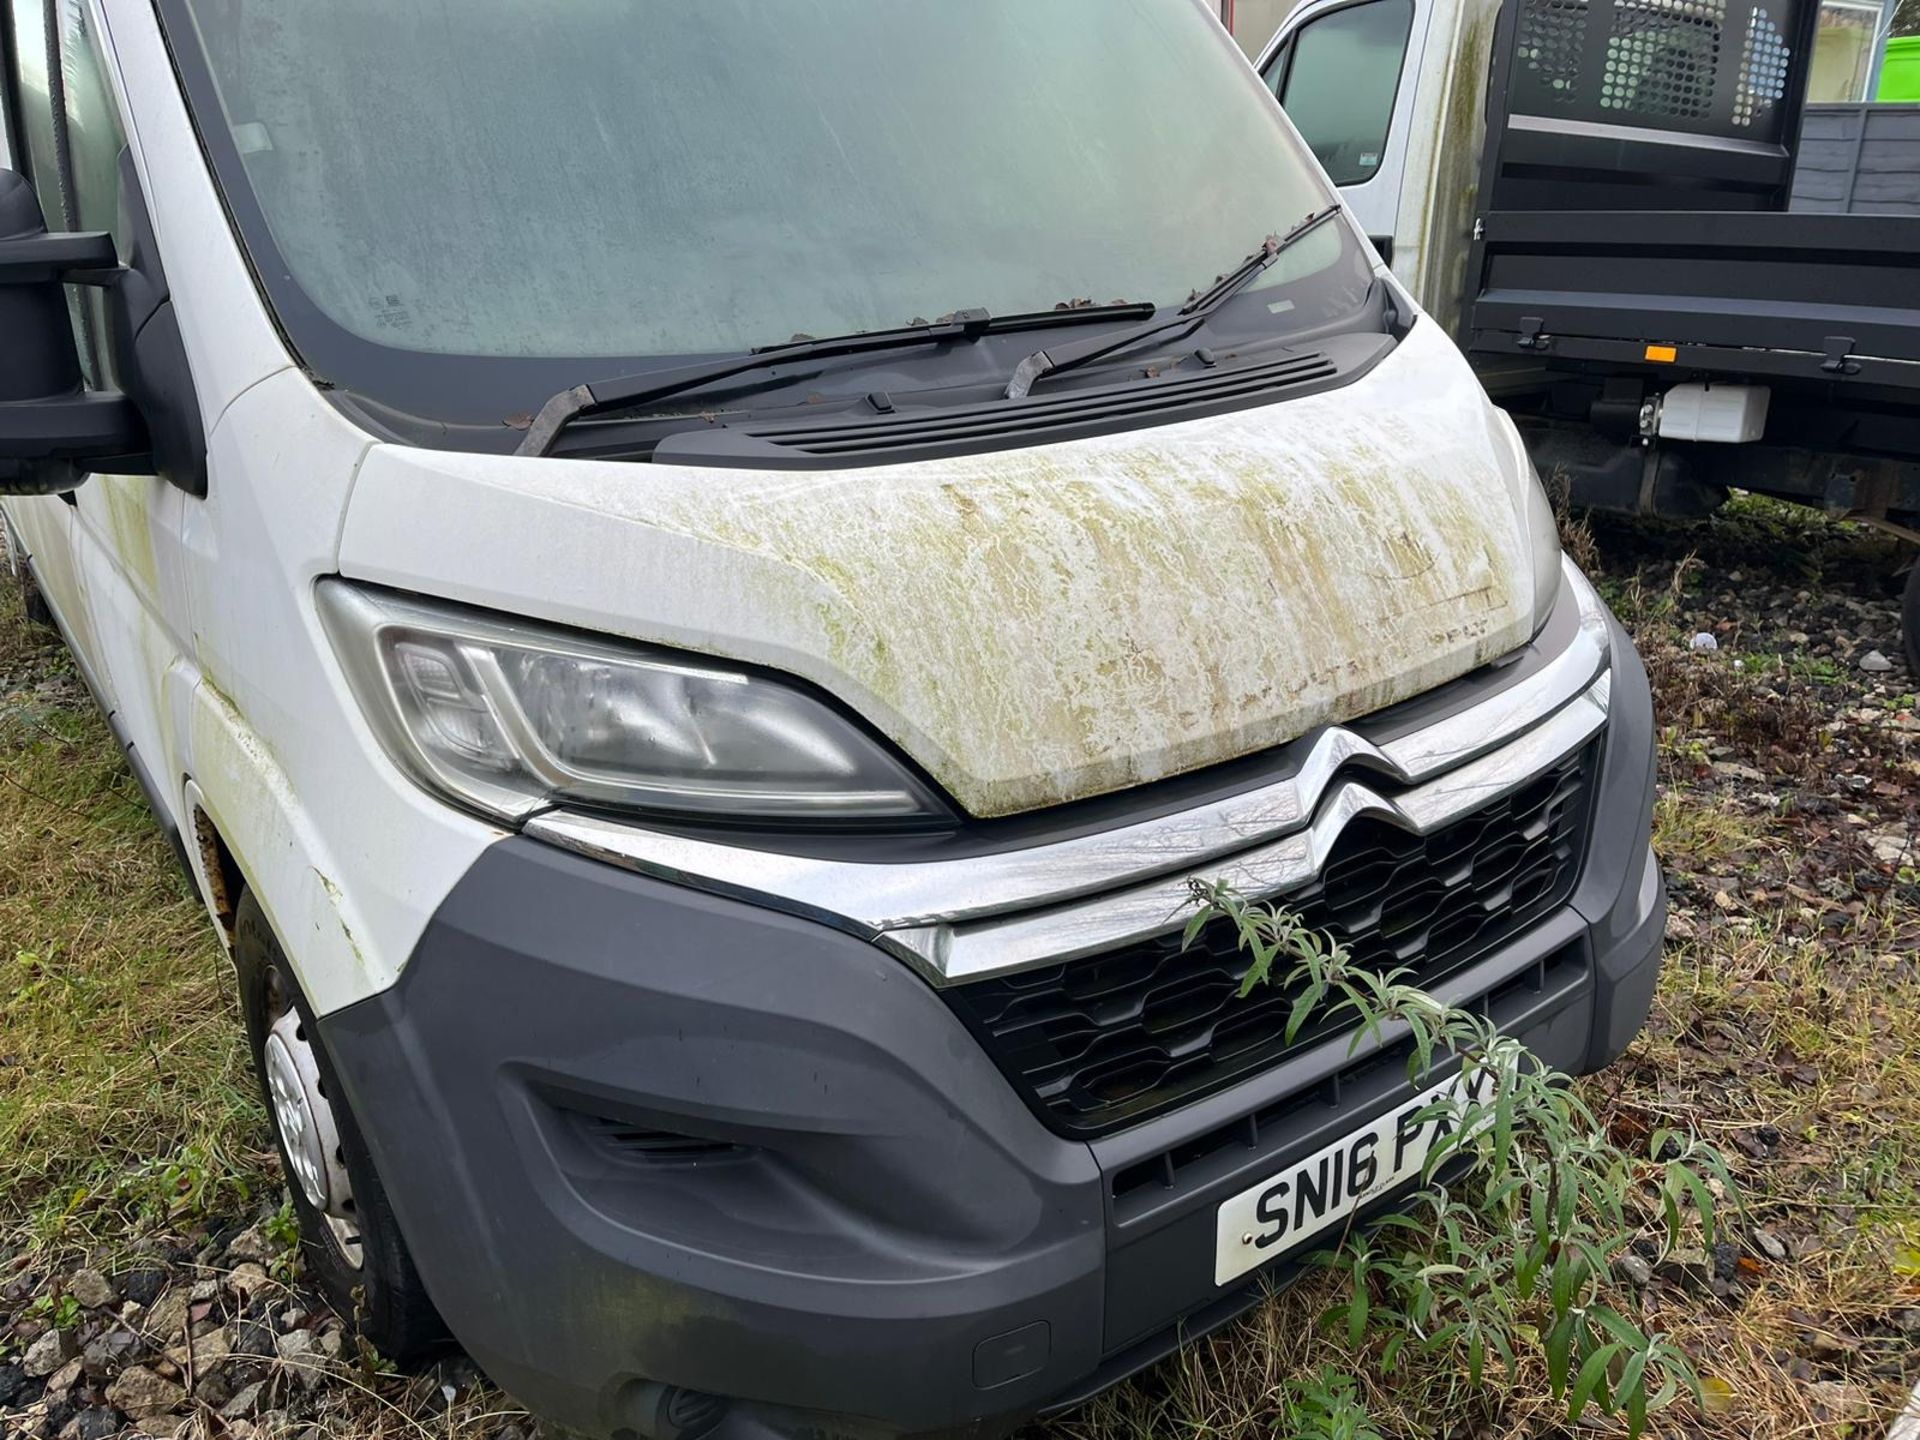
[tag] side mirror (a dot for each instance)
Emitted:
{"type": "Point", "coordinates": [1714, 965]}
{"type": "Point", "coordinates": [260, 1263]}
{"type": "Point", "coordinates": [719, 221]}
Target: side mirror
{"type": "Point", "coordinates": [53, 430]}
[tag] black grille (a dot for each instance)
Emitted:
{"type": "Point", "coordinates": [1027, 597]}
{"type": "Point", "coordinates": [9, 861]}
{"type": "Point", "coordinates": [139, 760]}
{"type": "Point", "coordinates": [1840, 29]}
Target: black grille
{"type": "Point", "coordinates": [637, 1142]}
{"type": "Point", "coordinates": [1367, 1078]}
{"type": "Point", "coordinates": [1106, 1041]}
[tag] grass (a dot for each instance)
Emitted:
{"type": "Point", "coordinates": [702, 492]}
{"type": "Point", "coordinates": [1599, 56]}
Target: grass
{"type": "Point", "coordinates": [1787, 1031]}
{"type": "Point", "coordinates": [125, 1100]}
{"type": "Point", "coordinates": [1712, 831]}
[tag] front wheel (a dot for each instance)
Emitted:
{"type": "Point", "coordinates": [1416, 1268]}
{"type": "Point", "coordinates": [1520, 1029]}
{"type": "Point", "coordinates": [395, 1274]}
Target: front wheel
{"type": "Point", "coordinates": [354, 1250]}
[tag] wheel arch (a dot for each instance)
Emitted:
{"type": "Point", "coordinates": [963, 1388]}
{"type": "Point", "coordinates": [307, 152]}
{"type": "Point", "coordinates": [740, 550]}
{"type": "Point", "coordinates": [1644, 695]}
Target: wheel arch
{"type": "Point", "coordinates": [250, 831]}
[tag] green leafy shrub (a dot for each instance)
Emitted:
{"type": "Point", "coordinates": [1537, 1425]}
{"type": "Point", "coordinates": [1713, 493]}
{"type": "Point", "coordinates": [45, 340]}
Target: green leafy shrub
{"type": "Point", "coordinates": [1510, 1259]}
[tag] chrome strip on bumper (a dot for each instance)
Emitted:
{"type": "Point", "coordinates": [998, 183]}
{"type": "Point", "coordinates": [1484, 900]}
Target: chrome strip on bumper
{"type": "Point", "coordinates": [964, 919]}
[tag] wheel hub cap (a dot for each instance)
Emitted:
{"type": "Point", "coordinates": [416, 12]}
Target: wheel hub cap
{"type": "Point", "coordinates": [308, 1133]}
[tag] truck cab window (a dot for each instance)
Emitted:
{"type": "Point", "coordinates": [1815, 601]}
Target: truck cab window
{"type": "Point", "coordinates": [1337, 79]}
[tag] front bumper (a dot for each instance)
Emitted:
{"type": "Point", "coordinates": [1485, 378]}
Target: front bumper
{"type": "Point", "coordinates": [894, 1241]}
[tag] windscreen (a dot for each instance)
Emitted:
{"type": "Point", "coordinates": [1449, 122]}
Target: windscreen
{"type": "Point", "coordinates": [546, 178]}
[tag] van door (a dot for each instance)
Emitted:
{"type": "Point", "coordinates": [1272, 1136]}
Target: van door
{"type": "Point", "coordinates": [124, 531]}
{"type": "Point", "coordinates": [1342, 70]}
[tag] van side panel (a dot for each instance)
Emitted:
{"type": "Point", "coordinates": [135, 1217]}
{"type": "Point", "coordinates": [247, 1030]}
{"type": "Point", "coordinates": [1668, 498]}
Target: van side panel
{"type": "Point", "coordinates": [126, 542]}
{"type": "Point", "coordinates": [210, 600]}
{"type": "Point", "coordinates": [348, 859]}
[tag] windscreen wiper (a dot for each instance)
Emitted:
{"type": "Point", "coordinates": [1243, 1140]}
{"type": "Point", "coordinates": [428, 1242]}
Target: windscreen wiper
{"type": "Point", "coordinates": [1085, 352]}
{"type": "Point", "coordinates": [624, 391]}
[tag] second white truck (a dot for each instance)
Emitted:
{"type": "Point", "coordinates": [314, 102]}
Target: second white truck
{"type": "Point", "coordinates": [1593, 197]}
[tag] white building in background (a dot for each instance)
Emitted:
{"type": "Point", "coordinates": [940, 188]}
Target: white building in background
{"type": "Point", "coordinates": [1253, 21]}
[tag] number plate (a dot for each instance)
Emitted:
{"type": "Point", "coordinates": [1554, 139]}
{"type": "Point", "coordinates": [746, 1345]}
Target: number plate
{"type": "Point", "coordinates": [1287, 1210]}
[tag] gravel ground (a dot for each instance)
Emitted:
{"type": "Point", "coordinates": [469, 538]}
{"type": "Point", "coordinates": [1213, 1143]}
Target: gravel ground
{"type": "Point", "coordinates": [204, 1335]}
{"type": "Point", "coordinates": [1790, 824]}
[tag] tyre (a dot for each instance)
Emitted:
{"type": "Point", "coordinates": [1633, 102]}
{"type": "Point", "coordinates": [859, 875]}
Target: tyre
{"type": "Point", "coordinates": [354, 1251]}
{"type": "Point", "coordinates": [1910, 621]}
{"type": "Point", "coordinates": [32, 602]}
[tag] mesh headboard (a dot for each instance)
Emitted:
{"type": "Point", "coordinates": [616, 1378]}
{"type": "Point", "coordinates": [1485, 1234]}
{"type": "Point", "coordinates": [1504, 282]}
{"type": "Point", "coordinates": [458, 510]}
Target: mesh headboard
{"type": "Point", "coordinates": [1716, 67]}
{"type": "Point", "coordinates": [1646, 104]}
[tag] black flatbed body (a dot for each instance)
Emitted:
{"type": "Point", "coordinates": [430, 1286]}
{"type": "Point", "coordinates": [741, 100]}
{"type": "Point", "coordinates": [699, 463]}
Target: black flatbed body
{"type": "Point", "coordinates": [1633, 233]}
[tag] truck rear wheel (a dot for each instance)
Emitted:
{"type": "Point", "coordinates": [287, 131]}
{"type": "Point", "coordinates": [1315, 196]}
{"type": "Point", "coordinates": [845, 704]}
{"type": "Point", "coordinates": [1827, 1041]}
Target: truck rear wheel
{"type": "Point", "coordinates": [354, 1251]}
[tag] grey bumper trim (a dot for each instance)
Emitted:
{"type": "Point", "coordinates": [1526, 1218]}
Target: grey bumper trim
{"type": "Point", "coordinates": [965, 919]}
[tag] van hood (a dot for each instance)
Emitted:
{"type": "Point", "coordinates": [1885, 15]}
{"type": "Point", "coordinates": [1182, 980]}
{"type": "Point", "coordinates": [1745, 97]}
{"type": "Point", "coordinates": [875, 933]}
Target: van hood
{"type": "Point", "coordinates": [1031, 626]}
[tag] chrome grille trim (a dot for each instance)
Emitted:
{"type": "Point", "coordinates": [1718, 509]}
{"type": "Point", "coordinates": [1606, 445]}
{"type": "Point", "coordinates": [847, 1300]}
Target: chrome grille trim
{"type": "Point", "coordinates": [964, 919]}
{"type": "Point", "coordinates": [973, 951]}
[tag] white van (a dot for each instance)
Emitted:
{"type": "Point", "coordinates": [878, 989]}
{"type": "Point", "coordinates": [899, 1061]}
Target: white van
{"type": "Point", "coordinates": [694, 582]}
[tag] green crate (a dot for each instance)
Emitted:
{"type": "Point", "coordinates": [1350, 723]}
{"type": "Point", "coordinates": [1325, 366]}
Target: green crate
{"type": "Point", "coordinates": [1900, 71]}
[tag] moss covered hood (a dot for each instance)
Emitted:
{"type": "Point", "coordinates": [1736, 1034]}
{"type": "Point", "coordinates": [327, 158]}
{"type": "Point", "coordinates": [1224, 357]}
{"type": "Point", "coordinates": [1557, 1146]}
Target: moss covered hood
{"type": "Point", "coordinates": [1031, 626]}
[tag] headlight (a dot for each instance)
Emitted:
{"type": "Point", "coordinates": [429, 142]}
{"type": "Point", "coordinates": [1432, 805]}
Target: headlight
{"type": "Point", "coordinates": [510, 717]}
